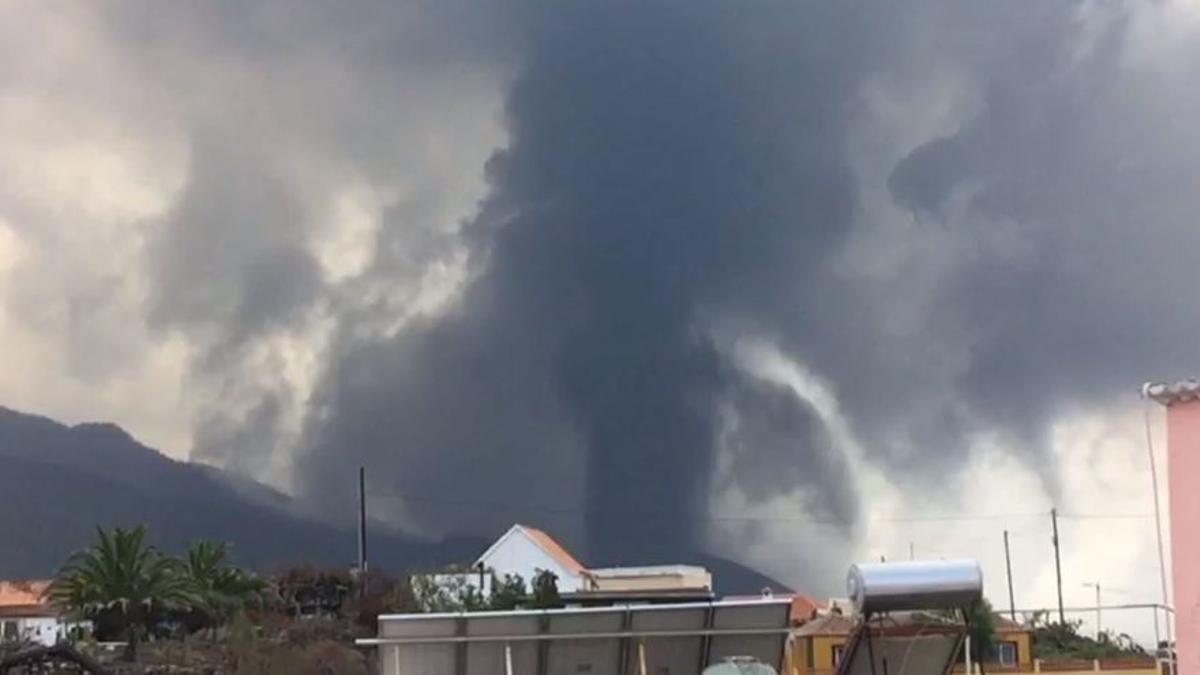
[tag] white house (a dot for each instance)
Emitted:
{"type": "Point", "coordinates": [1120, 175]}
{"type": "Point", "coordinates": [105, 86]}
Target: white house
{"type": "Point", "coordinates": [524, 550]}
{"type": "Point", "coordinates": [25, 614]}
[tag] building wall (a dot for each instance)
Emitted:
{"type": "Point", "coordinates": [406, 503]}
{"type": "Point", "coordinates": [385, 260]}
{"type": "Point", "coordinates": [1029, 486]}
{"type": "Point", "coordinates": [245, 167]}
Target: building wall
{"type": "Point", "coordinates": [1024, 644]}
{"type": "Point", "coordinates": [822, 649]}
{"type": "Point", "coordinates": [653, 582]}
{"type": "Point", "coordinates": [43, 630]}
{"type": "Point", "coordinates": [1183, 465]}
{"type": "Point", "coordinates": [518, 554]}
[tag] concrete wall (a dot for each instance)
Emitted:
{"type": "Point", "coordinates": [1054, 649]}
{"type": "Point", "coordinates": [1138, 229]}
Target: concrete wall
{"type": "Point", "coordinates": [653, 581]}
{"type": "Point", "coordinates": [1183, 468]}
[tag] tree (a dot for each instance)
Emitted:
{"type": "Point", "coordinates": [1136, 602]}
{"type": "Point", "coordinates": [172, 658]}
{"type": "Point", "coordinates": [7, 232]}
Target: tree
{"type": "Point", "coordinates": [447, 592]}
{"type": "Point", "coordinates": [981, 623]}
{"type": "Point", "coordinates": [221, 589]}
{"type": "Point", "coordinates": [1056, 641]}
{"type": "Point", "coordinates": [401, 599]}
{"type": "Point", "coordinates": [508, 594]}
{"type": "Point", "coordinates": [545, 590]}
{"type": "Point", "coordinates": [981, 619]}
{"type": "Point", "coordinates": [122, 581]}
{"type": "Point", "coordinates": [308, 591]}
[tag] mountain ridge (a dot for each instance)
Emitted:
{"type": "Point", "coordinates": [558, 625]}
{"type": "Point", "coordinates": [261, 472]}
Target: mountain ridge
{"type": "Point", "coordinates": [59, 482]}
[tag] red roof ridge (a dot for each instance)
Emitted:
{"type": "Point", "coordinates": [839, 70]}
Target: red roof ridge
{"type": "Point", "coordinates": [23, 593]}
{"type": "Point", "coordinates": [555, 549]}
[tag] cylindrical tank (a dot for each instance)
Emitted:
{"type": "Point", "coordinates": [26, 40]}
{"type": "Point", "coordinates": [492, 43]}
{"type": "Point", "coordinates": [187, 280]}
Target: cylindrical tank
{"type": "Point", "coordinates": [904, 586]}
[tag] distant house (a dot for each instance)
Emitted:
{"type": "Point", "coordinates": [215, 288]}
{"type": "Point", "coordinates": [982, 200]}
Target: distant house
{"type": "Point", "coordinates": [818, 644]}
{"type": "Point", "coordinates": [26, 614]}
{"type": "Point", "coordinates": [524, 550]}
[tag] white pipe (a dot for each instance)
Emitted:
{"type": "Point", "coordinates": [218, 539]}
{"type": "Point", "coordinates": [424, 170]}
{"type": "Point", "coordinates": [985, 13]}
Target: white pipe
{"type": "Point", "coordinates": [1162, 559]}
{"type": "Point", "coordinates": [968, 645]}
{"type": "Point", "coordinates": [508, 669]}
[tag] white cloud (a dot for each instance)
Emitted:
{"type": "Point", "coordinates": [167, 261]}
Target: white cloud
{"type": "Point", "coordinates": [1106, 533]}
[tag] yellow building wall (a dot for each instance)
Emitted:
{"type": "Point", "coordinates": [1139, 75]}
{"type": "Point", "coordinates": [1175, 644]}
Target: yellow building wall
{"type": "Point", "coordinates": [1024, 645]}
{"type": "Point", "coordinates": [821, 647]}
{"type": "Point", "coordinates": [823, 651]}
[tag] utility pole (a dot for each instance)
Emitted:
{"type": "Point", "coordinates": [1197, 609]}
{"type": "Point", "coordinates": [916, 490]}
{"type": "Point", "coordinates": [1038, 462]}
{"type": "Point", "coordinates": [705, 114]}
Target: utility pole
{"type": "Point", "coordinates": [912, 551]}
{"type": "Point", "coordinates": [362, 531]}
{"type": "Point", "coordinates": [1062, 615]}
{"type": "Point", "coordinates": [1012, 603]}
{"type": "Point", "coordinates": [1096, 586]}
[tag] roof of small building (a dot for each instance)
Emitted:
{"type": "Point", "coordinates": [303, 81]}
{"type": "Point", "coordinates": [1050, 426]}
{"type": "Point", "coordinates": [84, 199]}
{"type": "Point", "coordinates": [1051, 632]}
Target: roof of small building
{"type": "Point", "coordinates": [545, 542]}
{"type": "Point", "coordinates": [1006, 624]}
{"type": "Point", "coordinates": [555, 549]}
{"type": "Point", "coordinates": [829, 624]}
{"type": "Point", "coordinates": [24, 598]}
{"type": "Point", "coordinates": [840, 624]}
{"type": "Point", "coordinates": [646, 571]}
{"type": "Point", "coordinates": [23, 592]}
{"type": "Point", "coordinates": [804, 607]}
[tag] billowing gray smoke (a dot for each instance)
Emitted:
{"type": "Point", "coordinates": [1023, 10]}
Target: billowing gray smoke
{"type": "Point", "coordinates": [653, 179]}
{"type": "Point", "coordinates": [966, 219]}
{"type": "Point", "coordinates": [673, 174]}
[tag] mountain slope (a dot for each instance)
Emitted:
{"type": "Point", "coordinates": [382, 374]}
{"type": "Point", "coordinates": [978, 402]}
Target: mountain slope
{"type": "Point", "coordinates": [57, 483]}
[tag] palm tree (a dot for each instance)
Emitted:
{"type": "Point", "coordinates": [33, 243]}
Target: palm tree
{"type": "Point", "coordinates": [221, 589]}
{"type": "Point", "coordinates": [123, 580]}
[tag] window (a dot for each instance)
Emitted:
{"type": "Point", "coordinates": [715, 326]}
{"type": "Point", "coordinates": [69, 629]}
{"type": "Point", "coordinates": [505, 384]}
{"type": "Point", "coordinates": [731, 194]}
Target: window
{"type": "Point", "coordinates": [8, 630]}
{"type": "Point", "coordinates": [838, 652]}
{"type": "Point", "coordinates": [1006, 653]}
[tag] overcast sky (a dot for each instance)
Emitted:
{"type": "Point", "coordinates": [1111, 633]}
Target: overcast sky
{"type": "Point", "coordinates": [771, 280]}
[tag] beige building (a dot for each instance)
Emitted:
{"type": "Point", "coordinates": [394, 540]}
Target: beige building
{"type": "Point", "coordinates": [652, 578]}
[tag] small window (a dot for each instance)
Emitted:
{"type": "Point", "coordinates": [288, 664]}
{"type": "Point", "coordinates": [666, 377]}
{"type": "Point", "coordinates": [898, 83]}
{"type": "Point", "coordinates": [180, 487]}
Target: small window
{"type": "Point", "coordinates": [1006, 653]}
{"type": "Point", "coordinates": [8, 630]}
{"type": "Point", "coordinates": [838, 652]}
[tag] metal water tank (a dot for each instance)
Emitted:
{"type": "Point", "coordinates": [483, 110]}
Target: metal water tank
{"type": "Point", "coordinates": [914, 585]}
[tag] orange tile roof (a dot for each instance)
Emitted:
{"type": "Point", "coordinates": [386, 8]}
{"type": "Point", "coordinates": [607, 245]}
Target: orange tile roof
{"type": "Point", "coordinates": [830, 624]}
{"type": "Point", "coordinates": [1006, 624]}
{"type": "Point", "coordinates": [804, 608]}
{"type": "Point", "coordinates": [555, 549]}
{"type": "Point", "coordinates": [16, 595]}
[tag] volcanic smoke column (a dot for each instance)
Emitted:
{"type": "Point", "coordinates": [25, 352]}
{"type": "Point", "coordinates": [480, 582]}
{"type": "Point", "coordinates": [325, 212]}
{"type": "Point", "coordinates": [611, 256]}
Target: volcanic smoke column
{"type": "Point", "coordinates": [1182, 400]}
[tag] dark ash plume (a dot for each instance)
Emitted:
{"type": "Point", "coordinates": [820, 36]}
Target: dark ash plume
{"type": "Point", "coordinates": [967, 220]}
{"type": "Point", "coordinates": [657, 171]}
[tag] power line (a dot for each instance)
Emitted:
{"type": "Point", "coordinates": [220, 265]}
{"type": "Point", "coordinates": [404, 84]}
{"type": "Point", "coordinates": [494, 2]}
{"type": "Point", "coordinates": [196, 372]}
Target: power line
{"type": "Point", "coordinates": [802, 520]}
{"type": "Point", "coordinates": [1105, 516]}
